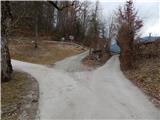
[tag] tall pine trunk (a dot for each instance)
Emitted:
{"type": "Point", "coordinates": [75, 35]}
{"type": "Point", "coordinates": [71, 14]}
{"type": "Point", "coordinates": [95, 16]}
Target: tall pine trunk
{"type": "Point", "coordinates": [6, 67]}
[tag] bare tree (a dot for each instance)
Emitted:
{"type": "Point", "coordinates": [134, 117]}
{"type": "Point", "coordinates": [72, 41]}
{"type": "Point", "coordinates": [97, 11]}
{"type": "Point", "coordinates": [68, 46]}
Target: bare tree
{"type": "Point", "coordinates": [37, 13]}
{"type": "Point", "coordinates": [94, 29]}
{"type": "Point", "coordinates": [128, 26]}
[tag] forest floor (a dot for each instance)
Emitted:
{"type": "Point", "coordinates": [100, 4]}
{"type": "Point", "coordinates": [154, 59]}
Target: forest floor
{"type": "Point", "coordinates": [19, 97]}
{"type": "Point", "coordinates": [46, 53]}
{"type": "Point", "coordinates": [70, 90]}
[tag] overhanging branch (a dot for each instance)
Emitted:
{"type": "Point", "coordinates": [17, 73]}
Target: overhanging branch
{"type": "Point", "coordinates": [54, 4]}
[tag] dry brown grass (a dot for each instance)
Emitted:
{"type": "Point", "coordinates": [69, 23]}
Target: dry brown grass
{"type": "Point", "coordinates": [12, 94]}
{"type": "Point", "coordinates": [46, 53]}
{"type": "Point", "coordinates": [146, 74]}
{"type": "Point", "coordinates": [147, 77]}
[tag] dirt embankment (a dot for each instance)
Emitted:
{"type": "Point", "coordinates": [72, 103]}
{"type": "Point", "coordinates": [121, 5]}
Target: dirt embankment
{"type": "Point", "coordinates": [146, 74]}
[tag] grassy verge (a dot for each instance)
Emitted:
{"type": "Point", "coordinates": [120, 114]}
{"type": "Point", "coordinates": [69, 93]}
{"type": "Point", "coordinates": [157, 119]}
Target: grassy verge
{"type": "Point", "coordinates": [13, 94]}
{"type": "Point", "coordinates": [146, 74]}
{"type": "Point", "coordinates": [147, 77]}
{"type": "Point", "coordinates": [46, 53]}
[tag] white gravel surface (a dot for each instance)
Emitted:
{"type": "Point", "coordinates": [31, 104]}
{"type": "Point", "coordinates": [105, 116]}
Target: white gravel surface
{"type": "Point", "coordinates": [71, 90]}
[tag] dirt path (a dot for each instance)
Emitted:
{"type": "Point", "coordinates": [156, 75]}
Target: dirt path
{"type": "Point", "coordinates": [72, 64]}
{"type": "Point", "coordinates": [70, 90]}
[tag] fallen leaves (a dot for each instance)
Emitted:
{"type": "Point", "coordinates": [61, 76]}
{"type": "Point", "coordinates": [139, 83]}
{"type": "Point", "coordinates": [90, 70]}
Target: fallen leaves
{"type": "Point", "coordinates": [147, 77]}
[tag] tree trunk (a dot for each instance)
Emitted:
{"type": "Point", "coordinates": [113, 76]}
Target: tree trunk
{"type": "Point", "coordinates": [6, 67]}
{"type": "Point", "coordinates": [36, 31]}
{"type": "Point", "coordinates": [126, 58]}
{"type": "Point", "coordinates": [108, 45]}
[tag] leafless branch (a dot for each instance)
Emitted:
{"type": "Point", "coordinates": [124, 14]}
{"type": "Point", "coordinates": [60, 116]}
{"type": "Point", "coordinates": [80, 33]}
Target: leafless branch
{"type": "Point", "coordinates": [17, 20]}
{"type": "Point", "coordinates": [54, 4]}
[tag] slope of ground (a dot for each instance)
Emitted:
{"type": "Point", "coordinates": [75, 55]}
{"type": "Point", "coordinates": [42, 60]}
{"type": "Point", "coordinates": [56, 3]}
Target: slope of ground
{"type": "Point", "coordinates": [103, 93]}
{"type": "Point", "coordinates": [46, 53]}
{"type": "Point", "coordinates": [147, 77]}
{"type": "Point", "coordinates": [17, 94]}
{"type": "Point", "coordinates": [146, 74]}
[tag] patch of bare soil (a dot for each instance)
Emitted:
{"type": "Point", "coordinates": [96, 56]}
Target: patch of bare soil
{"type": "Point", "coordinates": [19, 97]}
{"type": "Point", "coordinates": [46, 53]}
{"type": "Point", "coordinates": [92, 61]}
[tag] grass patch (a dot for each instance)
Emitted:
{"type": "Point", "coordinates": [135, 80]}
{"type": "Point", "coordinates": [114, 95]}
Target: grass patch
{"type": "Point", "coordinates": [12, 93]}
{"type": "Point", "coordinates": [46, 53]}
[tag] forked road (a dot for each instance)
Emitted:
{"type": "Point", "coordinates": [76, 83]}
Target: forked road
{"type": "Point", "coordinates": [70, 90]}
